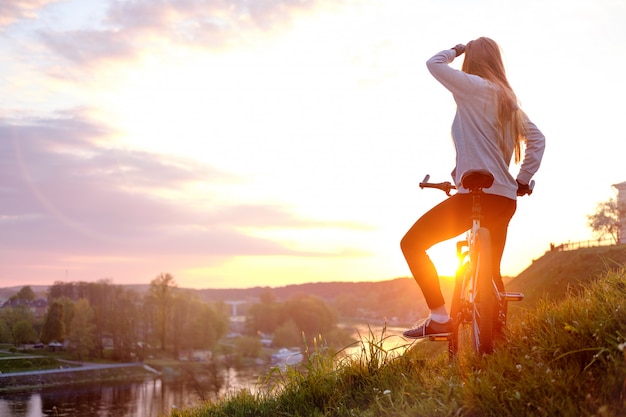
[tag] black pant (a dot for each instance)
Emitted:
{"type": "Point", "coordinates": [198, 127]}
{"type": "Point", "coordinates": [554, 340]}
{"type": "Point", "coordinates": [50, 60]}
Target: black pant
{"type": "Point", "coordinates": [449, 219]}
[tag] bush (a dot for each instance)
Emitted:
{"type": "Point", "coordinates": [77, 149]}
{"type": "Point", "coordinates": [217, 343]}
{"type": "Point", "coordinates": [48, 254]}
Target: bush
{"type": "Point", "coordinates": [248, 346]}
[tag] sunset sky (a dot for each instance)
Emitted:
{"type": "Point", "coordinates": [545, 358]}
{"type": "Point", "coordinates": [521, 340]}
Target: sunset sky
{"type": "Point", "coordinates": [244, 143]}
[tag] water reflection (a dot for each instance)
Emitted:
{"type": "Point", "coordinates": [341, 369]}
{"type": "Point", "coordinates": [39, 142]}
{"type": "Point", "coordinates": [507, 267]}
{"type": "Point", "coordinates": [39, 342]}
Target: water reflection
{"type": "Point", "coordinates": [152, 397]}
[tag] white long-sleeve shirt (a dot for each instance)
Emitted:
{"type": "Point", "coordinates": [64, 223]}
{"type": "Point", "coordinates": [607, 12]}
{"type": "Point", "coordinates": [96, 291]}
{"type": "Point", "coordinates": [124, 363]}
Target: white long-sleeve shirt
{"type": "Point", "coordinates": [475, 129]}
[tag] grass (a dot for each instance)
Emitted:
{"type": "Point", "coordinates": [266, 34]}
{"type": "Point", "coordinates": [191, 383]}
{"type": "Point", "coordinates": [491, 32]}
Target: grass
{"type": "Point", "coordinates": [11, 365]}
{"type": "Point", "coordinates": [550, 275]}
{"type": "Point", "coordinates": [563, 358]}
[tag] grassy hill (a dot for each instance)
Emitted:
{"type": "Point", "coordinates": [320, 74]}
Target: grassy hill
{"type": "Point", "coordinates": [556, 273]}
{"type": "Point", "coordinates": [565, 356]}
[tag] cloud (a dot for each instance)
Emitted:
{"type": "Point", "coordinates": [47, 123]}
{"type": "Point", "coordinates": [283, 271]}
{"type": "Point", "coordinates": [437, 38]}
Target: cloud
{"type": "Point", "coordinates": [130, 28]}
{"type": "Point", "coordinates": [64, 191]}
{"type": "Point", "coordinates": [86, 47]}
{"type": "Point", "coordinates": [13, 11]}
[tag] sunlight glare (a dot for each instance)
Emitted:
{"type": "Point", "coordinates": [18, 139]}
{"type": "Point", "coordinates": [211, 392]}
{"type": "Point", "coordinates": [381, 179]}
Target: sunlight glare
{"type": "Point", "coordinates": [444, 257]}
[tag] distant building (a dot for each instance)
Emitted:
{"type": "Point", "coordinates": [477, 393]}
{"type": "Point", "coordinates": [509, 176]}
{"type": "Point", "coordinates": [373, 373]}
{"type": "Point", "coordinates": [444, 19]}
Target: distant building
{"type": "Point", "coordinates": [38, 307]}
{"type": "Point", "coordinates": [621, 200]}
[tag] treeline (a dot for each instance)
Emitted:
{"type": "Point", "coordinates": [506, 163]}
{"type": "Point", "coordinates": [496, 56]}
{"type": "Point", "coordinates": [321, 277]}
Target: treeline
{"type": "Point", "coordinates": [375, 301]}
{"type": "Point", "coordinates": [296, 321]}
{"type": "Point", "coordinates": [102, 320]}
{"type": "Point", "coordinates": [99, 319]}
{"type": "Point", "coordinates": [399, 299]}
{"type": "Point", "coordinates": [91, 318]}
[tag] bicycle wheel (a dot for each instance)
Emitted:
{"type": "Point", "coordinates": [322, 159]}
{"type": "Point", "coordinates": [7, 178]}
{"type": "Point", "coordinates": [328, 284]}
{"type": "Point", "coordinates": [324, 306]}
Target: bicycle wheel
{"type": "Point", "coordinates": [485, 302]}
{"type": "Point", "coordinates": [457, 309]}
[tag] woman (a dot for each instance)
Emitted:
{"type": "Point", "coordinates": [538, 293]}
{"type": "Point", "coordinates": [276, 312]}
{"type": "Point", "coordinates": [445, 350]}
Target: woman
{"type": "Point", "coordinates": [488, 129]}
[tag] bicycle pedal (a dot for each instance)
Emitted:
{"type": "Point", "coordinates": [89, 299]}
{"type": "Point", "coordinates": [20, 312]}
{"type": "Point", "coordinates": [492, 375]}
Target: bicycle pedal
{"type": "Point", "coordinates": [513, 296]}
{"type": "Point", "coordinates": [439, 338]}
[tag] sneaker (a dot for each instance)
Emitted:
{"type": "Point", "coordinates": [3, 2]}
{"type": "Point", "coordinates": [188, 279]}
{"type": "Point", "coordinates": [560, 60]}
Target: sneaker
{"type": "Point", "coordinates": [429, 328]}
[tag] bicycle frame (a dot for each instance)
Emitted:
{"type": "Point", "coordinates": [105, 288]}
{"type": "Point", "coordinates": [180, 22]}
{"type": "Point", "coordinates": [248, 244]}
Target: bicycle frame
{"type": "Point", "coordinates": [477, 301]}
{"type": "Point", "coordinates": [476, 294]}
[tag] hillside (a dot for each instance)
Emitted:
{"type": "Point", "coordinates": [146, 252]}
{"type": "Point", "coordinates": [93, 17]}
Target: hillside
{"type": "Point", "coordinates": [556, 273]}
{"type": "Point", "coordinates": [549, 277]}
{"type": "Point", "coordinates": [327, 291]}
{"type": "Point", "coordinates": [565, 357]}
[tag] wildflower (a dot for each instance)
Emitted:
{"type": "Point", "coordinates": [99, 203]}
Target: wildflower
{"type": "Point", "coordinates": [570, 329]}
{"type": "Point", "coordinates": [387, 392]}
{"type": "Point", "coordinates": [518, 367]}
{"type": "Point", "coordinates": [621, 346]}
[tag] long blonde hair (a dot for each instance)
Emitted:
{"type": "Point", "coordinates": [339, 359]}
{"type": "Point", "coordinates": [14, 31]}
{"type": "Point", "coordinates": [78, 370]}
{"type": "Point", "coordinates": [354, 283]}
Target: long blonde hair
{"type": "Point", "coordinates": [482, 58]}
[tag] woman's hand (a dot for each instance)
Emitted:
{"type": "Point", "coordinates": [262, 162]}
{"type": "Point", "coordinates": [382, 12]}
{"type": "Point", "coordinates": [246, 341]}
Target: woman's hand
{"type": "Point", "coordinates": [523, 189]}
{"type": "Point", "coordinates": [459, 49]}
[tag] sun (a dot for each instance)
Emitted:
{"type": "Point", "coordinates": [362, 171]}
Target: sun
{"type": "Point", "coordinates": [443, 256]}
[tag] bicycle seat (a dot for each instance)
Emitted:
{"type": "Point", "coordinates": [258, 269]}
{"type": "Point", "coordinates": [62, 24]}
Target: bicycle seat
{"type": "Point", "coordinates": [476, 179]}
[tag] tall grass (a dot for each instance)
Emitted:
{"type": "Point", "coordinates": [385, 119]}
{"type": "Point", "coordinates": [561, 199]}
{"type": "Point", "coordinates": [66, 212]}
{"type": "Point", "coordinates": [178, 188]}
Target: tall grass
{"type": "Point", "coordinates": [561, 359]}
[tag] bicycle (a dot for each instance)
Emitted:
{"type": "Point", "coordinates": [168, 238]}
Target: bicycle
{"type": "Point", "coordinates": [477, 302]}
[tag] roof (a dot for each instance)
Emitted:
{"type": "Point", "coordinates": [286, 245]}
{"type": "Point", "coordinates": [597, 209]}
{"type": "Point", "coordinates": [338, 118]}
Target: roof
{"type": "Point", "coordinates": [15, 302]}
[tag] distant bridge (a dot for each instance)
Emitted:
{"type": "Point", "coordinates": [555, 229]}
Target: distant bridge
{"type": "Point", "coordinates": [233, 306]}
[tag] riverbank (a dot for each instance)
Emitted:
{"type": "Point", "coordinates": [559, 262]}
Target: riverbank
{"type": "Point", "coordinates": [88, 373]}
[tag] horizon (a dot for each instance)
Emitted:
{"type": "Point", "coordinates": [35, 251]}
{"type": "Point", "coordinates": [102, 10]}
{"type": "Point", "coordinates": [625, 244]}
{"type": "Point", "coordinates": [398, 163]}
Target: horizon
{"type": "Point", "coordinates": [147, 284]}
{"type": "Point", "coordinates": [18, 287]}
{"type": "Point", "coordinates": [236, 145]}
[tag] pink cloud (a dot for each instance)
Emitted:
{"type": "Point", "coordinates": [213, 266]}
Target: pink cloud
{"type": "Point", "coordinates": [131, 27]}
{"type": "Point", "coordinates": [67, 196]}
{"type": "Point", "coordinates": [13, 11]}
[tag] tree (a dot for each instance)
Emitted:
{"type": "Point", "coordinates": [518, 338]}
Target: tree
{"type": "Point", "coordinates": [161, 289]}
{"type": "Point", "coordinates": [194, 324]}
{"type": "Point", "coordinates": [62, 289]}
{"type": "Point", "coordinates": [25, 294]}
{"type": "Point", "coordinates": [267, 296]}
{"type": "Point", "coordinates": [124, 323]}
{"type": "Point", "coordinates": [82, 335]}
{"type": "Point", "coordinates": [54, 325]}
{"type": "Point", "coordinates": [182, 306]}
{"type": "Point", "coordinates": [288, 335]}
{"type": "Point", "coordinates": [311, 315]}
{"type": "Point", "coordinates": [248, 346]}
{"type": "Point", "coordinates": [264, 318]}
{"type": "Point", "coordinates": [12, 315]}
{"type": "Point", "coordinates": [5, 332]}
{"type": "Point", "coordinates": [100, 295]}
{"type": "Point", "coordinates": [23, 332]}
{"type": "Point", "coordinates": [148, 320]}
{"type": "Point", "coordinates": [68, 312]}
{"type": "Point", "coordinates": [208, 326]}
{"type": "Point", "coordinates": [608, 219]}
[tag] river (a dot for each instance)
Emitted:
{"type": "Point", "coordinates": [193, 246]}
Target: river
{"type": "Point", "coordinates": [150, 398]}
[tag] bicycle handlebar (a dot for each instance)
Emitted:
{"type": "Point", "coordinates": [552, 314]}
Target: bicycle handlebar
{"type": "Point", "coordinates": [447, 186]}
